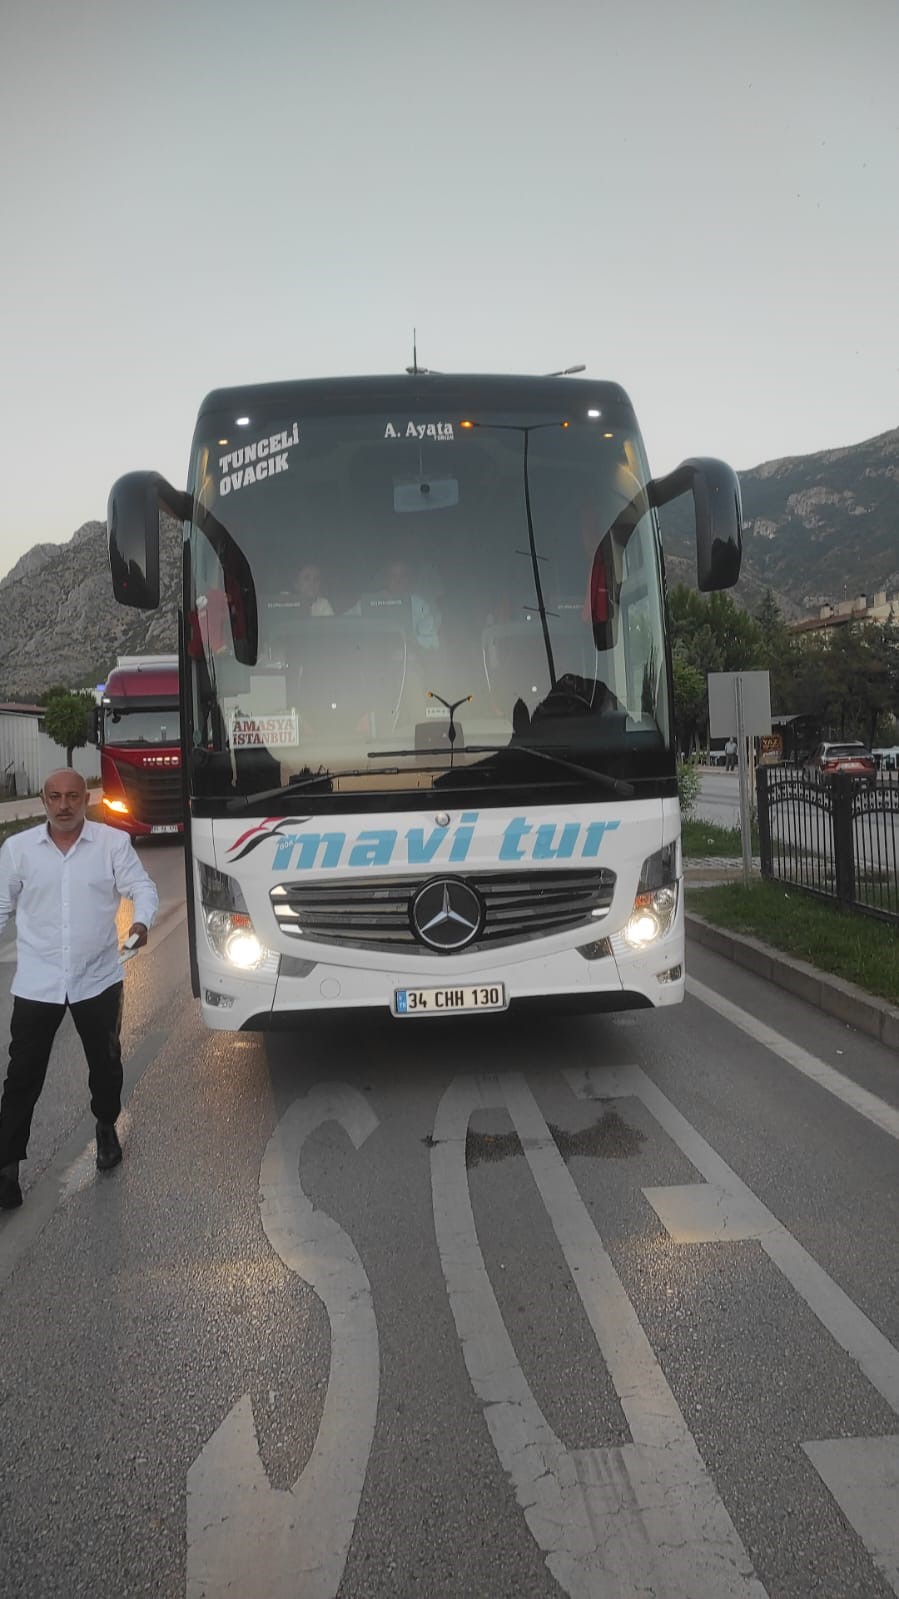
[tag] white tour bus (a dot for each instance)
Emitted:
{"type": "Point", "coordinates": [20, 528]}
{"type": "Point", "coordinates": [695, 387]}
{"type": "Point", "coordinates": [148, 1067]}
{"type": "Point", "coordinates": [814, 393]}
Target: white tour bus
{"type": "Point", "coordinates": [428, 749]}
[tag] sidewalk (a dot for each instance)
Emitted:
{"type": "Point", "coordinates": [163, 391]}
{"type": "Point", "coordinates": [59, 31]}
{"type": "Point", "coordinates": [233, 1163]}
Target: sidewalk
{"type": "Point", "coordinates": [712, 869]}
{"type": "Point", "coordinates": [14, 809]}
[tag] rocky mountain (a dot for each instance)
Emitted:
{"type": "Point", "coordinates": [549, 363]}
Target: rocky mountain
{"type": "Point", "coordinates": [30, 562]}
{"type": "Point", "coordinates": [818, 527]}
{"type": "Point", "coordinates": [59, 622]}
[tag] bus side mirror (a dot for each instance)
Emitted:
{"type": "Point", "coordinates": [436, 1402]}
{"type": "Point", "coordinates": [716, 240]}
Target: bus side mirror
{"type": "Point", "coordinates": [132, 521]}
{"type": "Point", "coordinates": [718, 510]}
{"type": "Point", "coordinates": [93, 725]}
{"type": "Point", "coordinates": [231, 611]}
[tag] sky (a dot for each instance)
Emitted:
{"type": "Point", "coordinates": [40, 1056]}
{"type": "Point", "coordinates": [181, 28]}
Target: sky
{"type": "Point", "coordinates": [695, 198]}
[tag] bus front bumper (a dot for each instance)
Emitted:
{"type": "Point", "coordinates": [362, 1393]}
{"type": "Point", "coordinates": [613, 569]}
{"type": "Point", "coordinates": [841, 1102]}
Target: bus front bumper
{"type": "Point", "coordinates": [614, 978]}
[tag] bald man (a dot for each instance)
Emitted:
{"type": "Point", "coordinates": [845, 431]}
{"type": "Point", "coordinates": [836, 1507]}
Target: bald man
{"type": "Point", "coordinates": [64, 880]}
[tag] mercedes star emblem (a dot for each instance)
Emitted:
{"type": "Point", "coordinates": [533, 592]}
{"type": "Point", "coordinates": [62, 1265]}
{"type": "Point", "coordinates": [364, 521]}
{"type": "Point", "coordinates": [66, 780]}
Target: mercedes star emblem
{"type": "Point", "coordinates": [446, 914]}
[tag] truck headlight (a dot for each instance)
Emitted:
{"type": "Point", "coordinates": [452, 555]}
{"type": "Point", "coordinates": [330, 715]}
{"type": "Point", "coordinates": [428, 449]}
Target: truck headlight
{"type": "Point", "coordinates": [229, 926]}
{"type": "Point", "coordinates": [655, 904]}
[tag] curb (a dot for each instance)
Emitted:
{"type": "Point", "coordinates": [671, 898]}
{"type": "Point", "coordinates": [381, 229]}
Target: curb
{"type": "Point", "coordinates": [834, 995]}
{"type": "Point", "coordinates": [16, 810]}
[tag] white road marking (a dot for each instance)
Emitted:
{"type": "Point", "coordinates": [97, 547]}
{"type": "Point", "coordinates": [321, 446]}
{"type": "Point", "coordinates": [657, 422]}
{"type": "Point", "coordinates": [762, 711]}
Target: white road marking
{"type": "Point", "coordinates": [613, 1523]}
{"type": "Point", "coordinates": [723, 1207]}
{"type": "Point", "coordinates": [238, 1526]}
{"type": "Point", "coordinates": [688, 1207]}
{"type": "Point", "coordinates": [876, 1110]}
{"type": "Point", "coordinates": [863, 1476]}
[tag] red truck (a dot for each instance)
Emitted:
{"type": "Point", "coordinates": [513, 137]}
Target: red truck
{"type": "Point", "coordinates": [139, 736]}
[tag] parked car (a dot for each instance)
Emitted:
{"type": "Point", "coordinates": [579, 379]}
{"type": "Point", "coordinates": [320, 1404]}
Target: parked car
{"type": "Point", "coordinates": [853, 760]}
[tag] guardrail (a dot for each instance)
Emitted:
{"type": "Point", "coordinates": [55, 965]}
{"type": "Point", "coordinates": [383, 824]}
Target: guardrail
{"type": "Point", "coordinates": [837, 837]}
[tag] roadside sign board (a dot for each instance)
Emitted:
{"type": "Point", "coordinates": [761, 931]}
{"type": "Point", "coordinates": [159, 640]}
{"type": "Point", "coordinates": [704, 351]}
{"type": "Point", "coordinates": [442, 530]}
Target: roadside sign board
{"type": "Point", "coordinates": [756, 688]}
{"type": "Point", "coordinates": [740, 708]}
{"type": "Point", "coordinates": [770, 749]}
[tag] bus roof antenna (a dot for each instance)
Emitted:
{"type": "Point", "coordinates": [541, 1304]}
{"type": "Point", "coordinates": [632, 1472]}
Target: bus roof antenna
{"type": "Point", "coordinates": [566, 372]}
{"type": "Point", "coordinates": [415, 369]}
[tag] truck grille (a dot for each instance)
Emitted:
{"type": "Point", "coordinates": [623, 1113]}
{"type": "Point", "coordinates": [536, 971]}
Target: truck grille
{"type": "Point", "coordinates": [374, 913]}
{"type": "Point", "coordinates": [153, 794]}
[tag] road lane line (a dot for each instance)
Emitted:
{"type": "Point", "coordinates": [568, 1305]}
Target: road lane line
{"type": "Point", "coordinates": [687, 1207]}
{"type": "Point", "coordinates": [238, 1526]}
{"type": "Point", "coordinates": [862, 1474]}
{"type": "Point", "coordinates": [613, 1523]}
{"type": "Point", "coordinates": [859, 1099]}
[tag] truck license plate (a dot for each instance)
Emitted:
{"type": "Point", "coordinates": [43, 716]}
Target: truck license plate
{"type": "Point", "coordinates": [448, 1001]}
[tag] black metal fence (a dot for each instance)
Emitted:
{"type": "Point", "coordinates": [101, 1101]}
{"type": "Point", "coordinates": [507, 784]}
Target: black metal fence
{"type": "Point", "coordinates": [833, 836]}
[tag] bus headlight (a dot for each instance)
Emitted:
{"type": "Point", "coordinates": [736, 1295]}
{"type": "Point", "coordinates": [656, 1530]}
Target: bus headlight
{"type": "Point", "coordinates": [651, 916]}
{"type": "Point", "coordinates": [233, 936]}
{"type": "Point", "coordinates": [229, 926]}
{"type": "Point", "coordinates": [655, 905]}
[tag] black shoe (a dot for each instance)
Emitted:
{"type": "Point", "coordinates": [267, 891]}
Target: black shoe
{"type": "Point", "coordinates": [109, 1150]}
{"type": "Point", "coordinates": [10, 1192]}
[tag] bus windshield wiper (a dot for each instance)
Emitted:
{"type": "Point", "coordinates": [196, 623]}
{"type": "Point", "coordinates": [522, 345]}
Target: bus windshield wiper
{"type": "Point", "coordinates": [615, 785]}
{"type": "Point", "coordinates": [307, 780]}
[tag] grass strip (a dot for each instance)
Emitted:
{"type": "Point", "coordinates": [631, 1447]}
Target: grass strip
{"type": "Point", "coordinates": [19, 825]}
{"type": "Point", "coordinates": [703, 840]}
{"type": "Point", "coordinates": [845, 943]}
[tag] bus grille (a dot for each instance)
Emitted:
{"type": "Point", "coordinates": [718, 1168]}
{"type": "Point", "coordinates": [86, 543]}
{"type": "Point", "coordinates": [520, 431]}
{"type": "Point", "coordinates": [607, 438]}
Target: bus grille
{"type": "Point", "coordinates": [374, 913]}
{"type": "Point", "coordinates": [154, 796]}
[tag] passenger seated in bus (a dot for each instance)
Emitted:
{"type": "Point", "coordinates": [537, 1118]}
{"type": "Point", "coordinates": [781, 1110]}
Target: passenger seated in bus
{"type": "Point", "coordinates": [308, 590]}
{"type": "Point", "coordinates": [398, 585]}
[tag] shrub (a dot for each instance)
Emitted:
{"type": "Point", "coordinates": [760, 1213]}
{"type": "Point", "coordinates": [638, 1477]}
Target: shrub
{"type": "Point", "coordinates": [687, 788]}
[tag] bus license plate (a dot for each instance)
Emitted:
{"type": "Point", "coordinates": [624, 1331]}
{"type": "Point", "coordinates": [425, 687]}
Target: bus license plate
{"type": "Point", "coordinates": [448, 1001]}
{"type": "Point", "coordinates": [167, 827]}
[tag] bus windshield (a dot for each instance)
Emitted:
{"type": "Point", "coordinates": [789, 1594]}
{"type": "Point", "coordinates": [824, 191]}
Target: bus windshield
{"type": "Point", "coordinates": [432, 590]}
{"type": "Point", "coordinates": [162, 726]}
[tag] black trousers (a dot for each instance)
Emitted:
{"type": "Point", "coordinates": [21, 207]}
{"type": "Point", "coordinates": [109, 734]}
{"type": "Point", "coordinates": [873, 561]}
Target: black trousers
{"type": "Point", "coordinates": [34, 1027]}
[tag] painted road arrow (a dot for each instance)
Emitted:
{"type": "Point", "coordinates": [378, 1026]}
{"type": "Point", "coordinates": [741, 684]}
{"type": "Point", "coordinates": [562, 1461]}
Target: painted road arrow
{"type": "Point", "coordinates": [238, 1525]}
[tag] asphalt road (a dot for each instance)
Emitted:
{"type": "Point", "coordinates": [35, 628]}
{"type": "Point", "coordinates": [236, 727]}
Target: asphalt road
{"type": "Point", "coordinates": [718, 800]}
{"type": "Point", "coordinates": [499, 1308]}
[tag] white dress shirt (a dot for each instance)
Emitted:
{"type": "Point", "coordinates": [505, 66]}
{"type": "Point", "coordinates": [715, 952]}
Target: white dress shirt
{"type": "Point", "coordinates": [65, 903]}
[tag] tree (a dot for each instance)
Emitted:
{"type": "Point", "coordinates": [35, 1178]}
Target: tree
{"type": "Point", "coordinates": [777, 653]}
{"type": "Point", "coordinates": [690, 702]}
{"type": "Point", "coordinates": [860, 665]}
{"type": "Point", "coordinates": [66, 719]}
{"type": "Point", "coordinates": [848, 680]}
{"type": "Point", "coordinates": [712, 633]}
